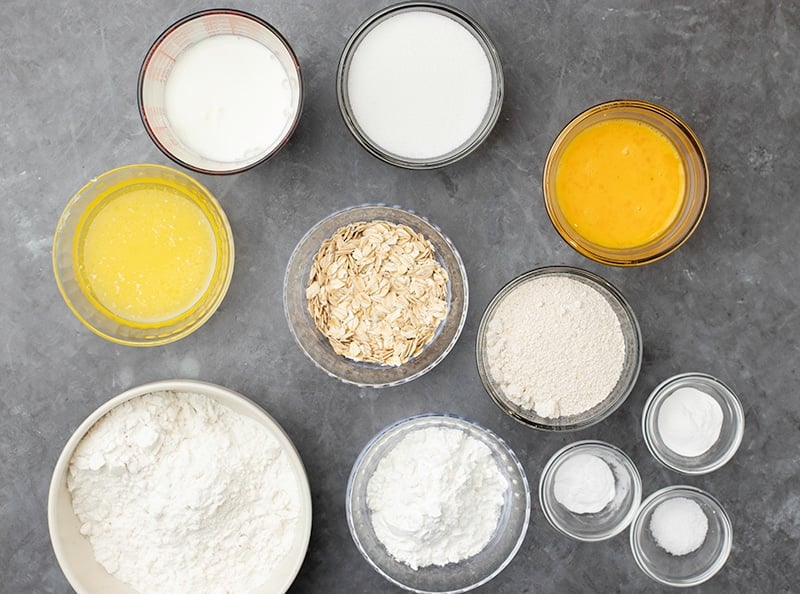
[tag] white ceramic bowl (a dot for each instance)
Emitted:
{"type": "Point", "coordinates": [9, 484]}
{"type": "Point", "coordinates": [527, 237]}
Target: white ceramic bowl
{"type": "Point", "coordinates": [74, 552]}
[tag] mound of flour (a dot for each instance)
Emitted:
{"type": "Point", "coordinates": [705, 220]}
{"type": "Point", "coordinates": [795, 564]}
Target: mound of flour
{"type": "Point", "coordinates": [555, 346]}
{"type": "Point", "coordinates": [177, 493]}
{"type": "Point", "coordinates": [436, 498]}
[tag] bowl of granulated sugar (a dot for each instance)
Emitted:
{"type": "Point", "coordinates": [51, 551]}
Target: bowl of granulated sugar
{"type": "Point", "coordinates": [179, 486]}
{"type": "Point", "coordinates": [559, 348]}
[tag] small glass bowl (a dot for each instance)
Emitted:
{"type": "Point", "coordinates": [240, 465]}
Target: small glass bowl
{"type": "Point", "coordinates": [317, 347]}
{"type": "Point", "coordinates": [630, 371]}
{"type": "Point", "coordinates": [71, 227]}
{"type": "Point", "coordinates": [611, 520]}
{"type": "Point", "coordinates": [158, 64]}
{"type": "Point", "coordinates": [695, 196]}
{"type": "Point", "coordinates": [454, 577]}
{"type": "Point", "coordinates": [73, 550]}
{"type": "Point", "coordinates": [492, 112]}
{"type": "Point", "coordinates": [686, 570]}
{"type": "Point", "coordinates": [730, 436]}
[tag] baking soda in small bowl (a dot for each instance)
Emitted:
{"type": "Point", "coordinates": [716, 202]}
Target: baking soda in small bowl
{"type": "Point", "coordinates": [690, 421]}
{"type": "Point", "coordinates": [584, 484]}
{"type": "Point", "coordinates": [590, 490]}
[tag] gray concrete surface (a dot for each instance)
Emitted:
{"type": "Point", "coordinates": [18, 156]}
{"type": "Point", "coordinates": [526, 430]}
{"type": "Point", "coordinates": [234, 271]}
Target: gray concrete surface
{"type": "Point", "coordinates": [726, 303]}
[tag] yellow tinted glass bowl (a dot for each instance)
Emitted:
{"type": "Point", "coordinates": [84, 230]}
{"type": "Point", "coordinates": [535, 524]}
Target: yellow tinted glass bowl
{"type": "Point", "coordinates": [72, 228]}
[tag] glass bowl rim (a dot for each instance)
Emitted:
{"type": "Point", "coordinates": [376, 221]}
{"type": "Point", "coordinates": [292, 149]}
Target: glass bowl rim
{"type": "Point", "coordinates": [662, 495]}
{"type": "Point", "coordinates": [495, 65]}
{"type": "Point", "coordinates": [595, 279]}
{"type": "Point", "coordinates": [461, 270]}
{"type": "Point", "coordinates": [172, 28]}
{"type": "Point", "coordinates": [646, 106]}
{"type": "Point", "coordinates": [636, 482]}
{"type": "Point", "coordinates": [659, 394]}
{"type": "Point", "coordinates": [451, 420]}
{"type": "Point", "coordinates": [225, 237]}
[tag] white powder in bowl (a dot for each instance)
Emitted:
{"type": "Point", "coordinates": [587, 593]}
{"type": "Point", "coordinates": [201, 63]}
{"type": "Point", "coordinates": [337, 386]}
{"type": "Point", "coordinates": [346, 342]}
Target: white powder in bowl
{"type": "Point", "coordinates": [178, 493]}
{"type": "Point", "coordinates": [436, 497]}
{"type": "Point", "coordinates": [690, 421]}
{"type": "Point", "coordinates": [584, 484]}
{"type": "Point", "coordinates": [679, 526]}
{"type": "Point", "coordinates": [555, 346]}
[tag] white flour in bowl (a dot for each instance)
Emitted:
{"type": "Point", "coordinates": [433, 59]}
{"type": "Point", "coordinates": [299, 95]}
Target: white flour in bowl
{"type": "Point", "coordinates": [436, 497]}
{"type": "Point", "coordinates": [179, 494]}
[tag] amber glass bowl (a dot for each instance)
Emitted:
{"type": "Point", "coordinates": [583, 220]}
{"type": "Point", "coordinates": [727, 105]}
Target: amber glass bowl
{"type": "Point", "coordinates": [695, 192]}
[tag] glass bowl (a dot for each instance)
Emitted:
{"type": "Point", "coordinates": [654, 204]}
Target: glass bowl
{"type": "Point", "coordinates": [73, 550]}
{"type": "Point", "coordinates": [611, 520]}
{"type": "Point", "coordinates": [162, 56]}
{"type": "Point", "coordinates": [686, 570]}
{"type": "Point", "coordinates": [454, 577]}
{"type": "Point", "coordinates": [730, 436]}
{"type": "Point", "coordinates": [492, 111]}
{"type": "Point", "coordinates": [67, 249]}
{"type": "Point", "coordinates": [695, 193]}
{"type": "Point", "coordinates": [630, 371]}
{"type": "Point", "coordinates": [317, 347]}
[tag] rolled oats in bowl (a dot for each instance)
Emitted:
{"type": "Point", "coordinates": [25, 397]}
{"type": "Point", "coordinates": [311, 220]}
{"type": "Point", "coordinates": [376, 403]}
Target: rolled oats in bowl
{"type": "Point", "coordinates": [375, 295]}
{"type": "Point", "coordinates": [377, 292]}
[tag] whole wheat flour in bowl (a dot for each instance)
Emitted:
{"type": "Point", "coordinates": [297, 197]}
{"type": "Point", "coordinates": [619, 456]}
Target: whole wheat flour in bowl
{"type": "Point", "coordinates": [558, 348]}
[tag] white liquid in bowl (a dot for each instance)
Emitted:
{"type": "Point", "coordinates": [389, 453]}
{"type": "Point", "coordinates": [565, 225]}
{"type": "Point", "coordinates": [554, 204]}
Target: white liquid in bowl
{"type": "Point", "coordinates": [229, 99]}
{"type": "Point", "coordinates": [419, 85]}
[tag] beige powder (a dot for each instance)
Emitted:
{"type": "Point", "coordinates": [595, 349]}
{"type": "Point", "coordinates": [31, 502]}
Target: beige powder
{"type": "Point", "coordinates": [555, 346]}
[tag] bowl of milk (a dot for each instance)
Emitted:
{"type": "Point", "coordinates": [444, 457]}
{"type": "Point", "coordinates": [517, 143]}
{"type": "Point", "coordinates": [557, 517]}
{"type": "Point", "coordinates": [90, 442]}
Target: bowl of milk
{"type": "Point", "coordinates": [420, 85]}
{"type": "Point", "coordinates": [220, 91]}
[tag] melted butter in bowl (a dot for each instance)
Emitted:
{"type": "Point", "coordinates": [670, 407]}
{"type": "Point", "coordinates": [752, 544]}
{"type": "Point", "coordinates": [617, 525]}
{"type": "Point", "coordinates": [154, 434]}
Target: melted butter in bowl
{"type": "Point", "coordinates": [143, 255]}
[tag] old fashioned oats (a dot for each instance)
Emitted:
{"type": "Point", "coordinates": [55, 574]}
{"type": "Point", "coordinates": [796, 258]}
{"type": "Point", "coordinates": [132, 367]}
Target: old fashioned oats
{"type": "Point", "coordinates": [377, 292]}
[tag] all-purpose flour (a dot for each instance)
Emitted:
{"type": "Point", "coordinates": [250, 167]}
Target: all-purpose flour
{"type": "Point", "coordinates": [178, 493]}
{"type": "Point", "coordinates": [436, 497]}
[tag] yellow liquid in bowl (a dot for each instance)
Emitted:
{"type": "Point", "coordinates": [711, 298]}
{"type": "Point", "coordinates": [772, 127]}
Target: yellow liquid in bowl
{"type": "Point", "coordinates": [146, 252]}
{"type": "Point", "coordinates": [620, 183]}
